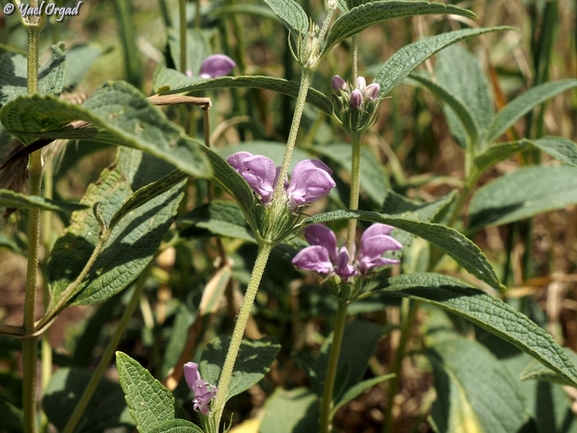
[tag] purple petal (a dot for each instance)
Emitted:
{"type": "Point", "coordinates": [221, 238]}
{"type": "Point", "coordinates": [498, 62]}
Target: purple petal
{"type": "Point", "coordinates": [310, 181]}
{"type": "Point", "coordinates": [237, 159]}
{"type": "Point", "coordinates": [366, 266]}
{"type": "Point", "coordinates": [344, 269]}
{"type": "Point", "coordinates": [356, 98]}
{"type": "Point", "coordinates": [191, 374]}
{"type": "Point", "coordinates": [338, 84]}
{"type": "Point", "coordinates": [307, 164]}
{"type": "Point", "coordinates": [372, 91]}
{"type": "Point", "coordinates": [216, 65]}
{"type": "Point", "coordinates": [318, 234]}
{"type": "Point", "coordinates": [377, 229]}
{"type": "Point", "coordinates": [375, 246]}
{"type": "Point", "coordinates": [259, 172]}
{"type": "Point", "coordinates": [314, 258]}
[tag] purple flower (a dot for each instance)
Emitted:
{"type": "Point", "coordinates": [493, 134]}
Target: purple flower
{"type": "Point", "coordinates": [203, 391]}
{"type": "Point", "coordinates": [356, 99]}
{"type": "Point", "coordinates": [323, 257]}
{"type": "Point", "coordinates": [339, 84]}
{"type": "Point", "coordinates": [310, 179]}
{"type": "Point", "coordinates": [216, 65]}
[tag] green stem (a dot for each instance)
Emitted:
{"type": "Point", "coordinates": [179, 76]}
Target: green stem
{"type": "Point", "coordinates": [355, 47]}
{"type": "Point", "coordinates": [29, 345]}
{"type": "Point", "coordinates": [108, 352]}
{"type": "Point", "coordinates": [182, 19]}
{"type": "Point", "coordinates": [292, 138]}
{"type": "Point", "coordinates": [355, 190]}
{"type": "Point", "coordinates": [327, 402]}
{"type": "Point", "coordinates": [238, 332]}
{"type": "Point", "coordinates": [410, 309]}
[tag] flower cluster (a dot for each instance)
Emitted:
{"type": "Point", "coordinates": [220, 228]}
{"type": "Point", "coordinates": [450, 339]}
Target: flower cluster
{"type": "Point", "coordinates": [310, 179]}
{"type": "Point", "coordinates": [324, 257]}
{"type": "Point", "coordinates": [203, 391]}
{"type": "Point", "coordinates": [214, 66]}
{"type": "Point", "coordinates": [356, 106]}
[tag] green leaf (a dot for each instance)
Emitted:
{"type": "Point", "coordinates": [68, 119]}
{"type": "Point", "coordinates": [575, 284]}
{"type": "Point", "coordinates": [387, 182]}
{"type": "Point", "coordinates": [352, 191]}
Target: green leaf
{"type": "Point", "coordinates": [487, 312]}
{"type": "Point", "coordinates": [358, 389]}
{"type": "Point", "coordinates": [176, 426]}
{"type": "Point", "coordinates": [538, 371]}
{"type": "Point", "coordinates": [373, 180]}
{"type": "Point", "coordinates": [121, 115]}
{"type": "Point", "coordinates": [252, 363]}
{"type": "Point", "coordinates": [291, 411]}
{"type": "Point", "coordinates": [459, 73]}
{"type": "Point", "coordinates": [9, 198]}
{"type": "Point", "coordinates": [132, 242]}
{"type": "Point", "coordinates": [466, 400]}
{"type": "Point", "coordinates": [558, 147]}
{"type": "Point", "coordinates": [221, 218]}
{"type": "Point", "coordinates": [398, 205]}
{"type": "Point", "coordinates": [231, 182]}
{"type": "Point", "coordinates": [107, 406]}
{"type": "Point", "coordinates": [9, 243]}
{"type": "Point", "coordinates": [405, 60]}
{"type": "Point", "coordinates": [150, 403]}
{"type": "Point", "coordinates": [363, 16]}
{"type": "Point", "coordinates": [13, 75]}
{"type": "Point", "coordinates": [524, 103]}
{"type": "Point", "coordinates": [11, 417]}
{"type": "Point", "coordinates": [460, 109]}
{"type": "Point", "coordinates": [448, 240]}
{"type": "Point", "coordinates": [291, 14]}
{"type": "Point", "coordinates": [197, 45]}
{"type": "Point", "coordinates": [79, 59]}
{"type": "Point", "coordinates": [184, 318]}
{"type": "Point", "coordinates": [280, 85]}
{"type": "Point", "coordinates": [523, 194]}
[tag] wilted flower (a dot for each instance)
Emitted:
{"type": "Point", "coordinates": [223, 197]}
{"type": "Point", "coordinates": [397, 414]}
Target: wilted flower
{"type": "Point", "coordinates": [310, 179]}
{"type": "Point", "coordinates": [324, 257]}
{"type": "Point", "coordinates": [203, 391]}
{"type": "Point", "coordinates": [214, 66]}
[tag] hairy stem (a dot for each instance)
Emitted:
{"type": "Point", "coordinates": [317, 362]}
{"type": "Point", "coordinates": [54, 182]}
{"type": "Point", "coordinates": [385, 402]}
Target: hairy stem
{"type": "Point", "coordinates": [108, 352]}
{"type": "Point", "coordinates": [327, 402]}
{"type": "Point", "coordinates": [182, 23]}
{"type": "Point", "coordinates": [243, 316]}
{"type": "Point", "coordinates": [355, 191]}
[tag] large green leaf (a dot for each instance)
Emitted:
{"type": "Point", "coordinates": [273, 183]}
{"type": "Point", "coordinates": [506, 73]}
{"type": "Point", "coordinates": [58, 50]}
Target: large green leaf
{"type": "Point", "coordinates": [448, 240]}
{"type": "Point", "coordinates": [132, 242]}
{"type": "Point", "coordinates": [459, 72]}
{"type": "Point", "coordinates": [365, 15]}
{"type": "Point", "coordinates": [405, 60]}
{"type": "Point", "coordinates": [372, 179]}
{"type": "Point", "coordinates": [150, 403]}
{"type": "Point", "coordinates": [252, 363]}
{"type": "Point", "coordinates": [524, 103]}
{"type": "Point", "coordinates": [280, 85]}
{"type": "Point", "coordinates": [475, 393]}
{"type": "Point", "coordinates": [558, 147]}
{"type": "Point", "coordinates": [459, 108]}
{"type": "Point", "coordinates": [487, 312]}
{"type": "Point", "coordinates": [291, 14]}
{"type": "Point", "coordinates": [13, 75]}
{"type": "Point", "coordinates": [523, 194]}
{"type": "Point", "coordinates": [9, 198]}
{"type": "Point", "coordinates": [291, 411]}
{"type": "Point", "coordinates": [121, 115]}
{"type": "Point", "coordinates": [107, 406]}
{"type": "Point", "coordinates": [176, 426]}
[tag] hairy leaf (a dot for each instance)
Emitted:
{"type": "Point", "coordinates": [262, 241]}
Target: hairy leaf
{"type": "Point", "coordinates": [291, 14]}
{"type": "Point", "coordinates": [9, 198]}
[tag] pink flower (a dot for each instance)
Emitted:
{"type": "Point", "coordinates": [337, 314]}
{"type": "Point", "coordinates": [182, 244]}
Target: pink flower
{"type": "Point", "coordinates": [216, 65]}
{"type": "Point", "coordinates": [310, 178]}
{"type": "Point", "coordinates": [203, 391]}
{"type": "Point", "coordinates": [323, 257]}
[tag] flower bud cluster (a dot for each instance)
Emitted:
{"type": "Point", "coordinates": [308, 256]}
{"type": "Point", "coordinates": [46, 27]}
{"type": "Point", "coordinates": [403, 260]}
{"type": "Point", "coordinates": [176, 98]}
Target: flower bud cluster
{"type": "Point", "coordinates": [356, 107]}
{"type": "Point", "coordinates": [307, 50]}
{"type": "Point", "coordinates": [310, 180]}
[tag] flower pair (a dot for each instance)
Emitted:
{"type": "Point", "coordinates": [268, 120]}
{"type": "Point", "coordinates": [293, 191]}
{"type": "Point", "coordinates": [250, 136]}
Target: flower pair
{"type": "Point", "coordinates": [214, 66]}
{"type": "Point", "coordinates": [203, 391]}
{"type": "Point", "coordinates": [310, 180]}
{"type": "Point", "coordinates": [324, 257]}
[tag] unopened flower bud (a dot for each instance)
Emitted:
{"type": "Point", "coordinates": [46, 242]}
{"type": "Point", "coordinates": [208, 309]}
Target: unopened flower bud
{"type": "Point", "coordinates": [361, 83]}
{"type": "Point", "coordinates": [216, 65]}
{"type": "Point", "coordinates": [372, 91]}
{"type": "Point", "coordinates": [339, 84]}
{"type": "Point", "coordinates": [330, 4]}
{"type": "Point", "coordinates": [356, 99]}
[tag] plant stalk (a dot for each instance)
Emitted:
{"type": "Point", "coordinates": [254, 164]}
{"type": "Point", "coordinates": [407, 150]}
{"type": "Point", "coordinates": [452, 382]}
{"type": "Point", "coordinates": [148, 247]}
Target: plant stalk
{"type": "Point", "coordinates": [108, 351]}
{"type": "Point", "coordinates": [327, 402]}
{"type": "Point", "coordinates": [355, 191]}
{"type": "Point", "coordinates": [29, 345]}
{"type": "Point", "coordinates": [238, 332]}
{"type": "Point", "coordinates": [182, 23]}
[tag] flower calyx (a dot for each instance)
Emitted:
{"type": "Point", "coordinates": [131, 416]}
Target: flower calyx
{"type": "Point", "coordinates": [356, 106]}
